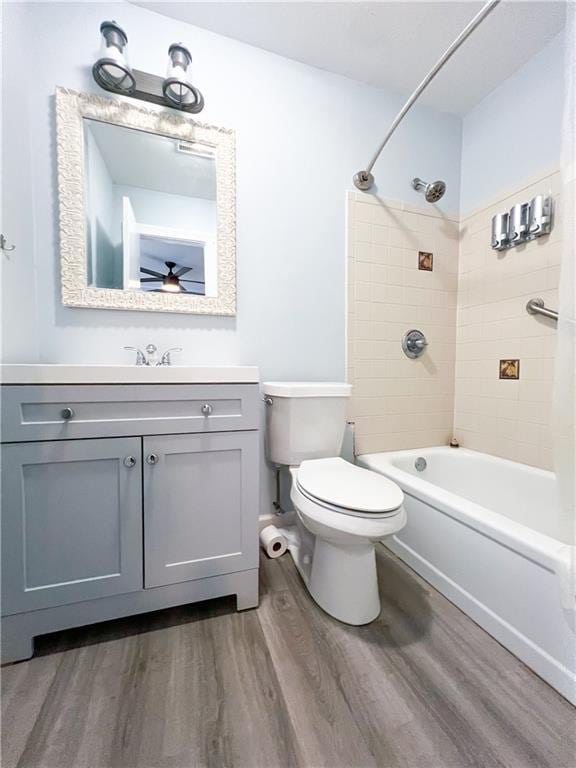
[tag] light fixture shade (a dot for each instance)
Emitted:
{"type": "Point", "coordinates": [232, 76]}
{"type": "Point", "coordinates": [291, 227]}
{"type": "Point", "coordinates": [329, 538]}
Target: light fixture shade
{"type": "Point", "coordinates": [171, 284]}
{"type": "Point", "coordinates": [112, 70]}
{"type": "Point", "coordinates": [177, 88]}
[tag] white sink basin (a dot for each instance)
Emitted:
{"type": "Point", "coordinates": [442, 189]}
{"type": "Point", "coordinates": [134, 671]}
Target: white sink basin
{"type": "Point", "coordinates": [127, 374]}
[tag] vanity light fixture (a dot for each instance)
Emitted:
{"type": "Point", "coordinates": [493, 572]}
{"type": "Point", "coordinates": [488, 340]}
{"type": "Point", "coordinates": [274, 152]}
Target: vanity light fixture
{"type": "Point", "coordinates": [177, 87]}
{"type": "Point", "coordinates": [113, 73]}
{"type": "Point", "coordinates": [112, 70]}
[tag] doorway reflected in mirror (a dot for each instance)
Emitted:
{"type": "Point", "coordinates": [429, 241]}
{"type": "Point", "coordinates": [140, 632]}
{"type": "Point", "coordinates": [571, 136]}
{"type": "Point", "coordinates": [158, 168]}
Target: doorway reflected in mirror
{"type": "Point", "coordinates": [150, 212]}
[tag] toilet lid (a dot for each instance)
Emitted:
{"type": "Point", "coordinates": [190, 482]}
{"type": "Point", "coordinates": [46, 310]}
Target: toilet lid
{"type": "Point", "coordinates": [341, 484]}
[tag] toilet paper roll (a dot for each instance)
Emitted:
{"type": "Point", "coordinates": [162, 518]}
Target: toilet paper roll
{"type": "Point", "coordinates": [272, 541]}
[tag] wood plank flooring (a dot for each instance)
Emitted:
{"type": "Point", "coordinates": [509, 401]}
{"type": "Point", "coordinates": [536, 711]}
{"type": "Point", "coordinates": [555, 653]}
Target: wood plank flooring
{"type": "Point", "coordinates": [284, 685]}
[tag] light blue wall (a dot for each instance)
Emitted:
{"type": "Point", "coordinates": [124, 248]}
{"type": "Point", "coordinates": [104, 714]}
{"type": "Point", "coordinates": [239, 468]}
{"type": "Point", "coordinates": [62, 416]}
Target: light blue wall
{"type": "Point", "coordinates": [104, 236]}
{"type": "Point", "coordinates": [515, 132]}
{"type": "Point", "coordinates": [301, 134]}
{"type": "Point", "coordinates": [166, 210]}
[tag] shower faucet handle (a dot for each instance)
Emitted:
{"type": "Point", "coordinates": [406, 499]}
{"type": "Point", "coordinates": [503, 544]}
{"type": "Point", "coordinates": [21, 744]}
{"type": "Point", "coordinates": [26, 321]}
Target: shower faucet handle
{"type": "Point", "coordinates": [414, 343]}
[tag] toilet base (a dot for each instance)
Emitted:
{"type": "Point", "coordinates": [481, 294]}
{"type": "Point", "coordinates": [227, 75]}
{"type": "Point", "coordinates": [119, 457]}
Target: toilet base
{"type": "Point", "coordinates": [342, 579]}
{"type": "Point", "coordinates": [344, 582]}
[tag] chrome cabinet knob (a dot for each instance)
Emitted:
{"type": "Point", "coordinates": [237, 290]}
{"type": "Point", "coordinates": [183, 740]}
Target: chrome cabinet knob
{"type": "Point", "coordinates": [152, 458]}
{"type": "Point", "coordinates": [67, 413]}
{"type": "Point", "coordinates": [206, 409]}
{"type": "Point", "coordinates": [129, 462]}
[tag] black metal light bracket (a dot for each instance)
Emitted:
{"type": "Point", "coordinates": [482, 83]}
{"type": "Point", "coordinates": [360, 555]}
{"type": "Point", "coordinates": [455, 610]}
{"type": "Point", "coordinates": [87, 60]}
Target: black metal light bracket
{"type": "Point", "coordinates": [150, 88]}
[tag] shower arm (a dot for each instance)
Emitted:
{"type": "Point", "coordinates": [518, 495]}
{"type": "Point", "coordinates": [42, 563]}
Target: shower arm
{"type": "Point", "coordinates": [364, 179]}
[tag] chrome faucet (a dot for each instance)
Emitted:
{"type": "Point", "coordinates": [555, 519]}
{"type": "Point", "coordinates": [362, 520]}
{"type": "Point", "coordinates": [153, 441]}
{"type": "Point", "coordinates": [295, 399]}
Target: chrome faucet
{"type": "Point", "coordinates": [150, 357]}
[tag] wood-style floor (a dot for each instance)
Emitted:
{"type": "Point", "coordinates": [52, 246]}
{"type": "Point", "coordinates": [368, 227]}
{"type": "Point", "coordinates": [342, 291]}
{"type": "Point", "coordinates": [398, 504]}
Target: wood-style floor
{"type": "Point", "coordinates": [285, 685]}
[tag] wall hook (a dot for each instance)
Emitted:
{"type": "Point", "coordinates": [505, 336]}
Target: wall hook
{"type": "Point", "coordinates": [4, 245]}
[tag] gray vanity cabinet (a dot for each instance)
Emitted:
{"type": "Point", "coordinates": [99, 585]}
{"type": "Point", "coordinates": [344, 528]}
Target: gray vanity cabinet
{"type": "Point", "coordinates": [71, 523]}
{"type": "Point", "coordinates": [121, 499]}
{"type": "Point", "coordinates": [199, 502]}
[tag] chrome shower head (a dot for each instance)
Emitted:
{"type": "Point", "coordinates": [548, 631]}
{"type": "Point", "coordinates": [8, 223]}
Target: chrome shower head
{"type": "Point", "coordinates": [433, 191]}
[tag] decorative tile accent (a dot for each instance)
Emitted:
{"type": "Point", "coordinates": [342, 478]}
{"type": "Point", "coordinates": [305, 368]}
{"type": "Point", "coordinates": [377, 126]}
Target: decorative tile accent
{"type": "Point", "coordinates": [509, 369]}
{"type": "Point", "coordinates": [425, 261]}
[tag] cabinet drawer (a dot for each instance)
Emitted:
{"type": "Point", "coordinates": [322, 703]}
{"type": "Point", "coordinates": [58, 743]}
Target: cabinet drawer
{"type": "Point", "coordinates": [54, 412]}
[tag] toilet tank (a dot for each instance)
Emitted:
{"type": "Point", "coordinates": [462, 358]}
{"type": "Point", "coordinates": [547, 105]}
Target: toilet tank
{"type": "Point", "coordinates": [304, 420]}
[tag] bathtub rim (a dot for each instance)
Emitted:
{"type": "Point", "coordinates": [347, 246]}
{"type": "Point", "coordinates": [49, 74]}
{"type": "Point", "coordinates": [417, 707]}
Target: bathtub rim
{"type": "Point", "coordinates": [546, 551]}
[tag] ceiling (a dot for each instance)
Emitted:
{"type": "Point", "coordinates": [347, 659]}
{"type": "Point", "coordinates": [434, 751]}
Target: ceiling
{"type": "Point", "coordinates": [165, 169]}
{"type": "Point", "coordinates": [388, 44]}
{"type": "Point", "coordinates": [161, 250]}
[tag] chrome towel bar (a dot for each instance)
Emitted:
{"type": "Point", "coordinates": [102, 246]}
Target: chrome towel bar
{"type": "Point", "coordinates": [536, 307]}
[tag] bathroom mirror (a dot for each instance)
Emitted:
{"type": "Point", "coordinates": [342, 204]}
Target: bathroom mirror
{"type": "Point", "coordinates": [147, 208]}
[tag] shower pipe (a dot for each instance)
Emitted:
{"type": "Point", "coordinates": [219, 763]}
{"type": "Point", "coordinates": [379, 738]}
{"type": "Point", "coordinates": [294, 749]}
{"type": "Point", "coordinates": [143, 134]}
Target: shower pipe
{"type": "Point", "coordinates": [364, 180]}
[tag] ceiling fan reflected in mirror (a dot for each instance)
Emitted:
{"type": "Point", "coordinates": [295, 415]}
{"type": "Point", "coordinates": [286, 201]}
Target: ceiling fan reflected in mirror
{"type": "Point", "coordinates": [172, 281]}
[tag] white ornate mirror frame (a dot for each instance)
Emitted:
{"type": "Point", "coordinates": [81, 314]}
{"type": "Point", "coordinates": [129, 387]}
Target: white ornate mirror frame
{"type": "Point", "coordinates": [71, 109]}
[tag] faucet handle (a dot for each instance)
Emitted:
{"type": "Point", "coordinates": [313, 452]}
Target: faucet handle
{"type": "Point", "coordinates": [140, 356]}
{"type": "Point", "coordinates": [166, 359]}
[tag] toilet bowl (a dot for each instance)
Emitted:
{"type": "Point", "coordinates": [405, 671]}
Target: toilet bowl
{"type": "Point", "coordinates": [347, 510]}
{"type": "Point", "coordinates": [342, 510]}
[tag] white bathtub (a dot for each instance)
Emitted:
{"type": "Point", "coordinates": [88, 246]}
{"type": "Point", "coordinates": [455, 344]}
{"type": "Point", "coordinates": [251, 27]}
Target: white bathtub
{"type": "Point", "coordinates": [489, 535]}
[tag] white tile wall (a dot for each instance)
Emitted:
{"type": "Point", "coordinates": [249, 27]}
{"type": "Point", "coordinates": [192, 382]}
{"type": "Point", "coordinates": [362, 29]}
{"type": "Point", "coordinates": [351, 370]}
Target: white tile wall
{"type": "Point", "coordinates": [472, 310]}
{"type": "Point", "coordinates": [507, 418]}
{"type": "Point", "coordinates": [398, 402]}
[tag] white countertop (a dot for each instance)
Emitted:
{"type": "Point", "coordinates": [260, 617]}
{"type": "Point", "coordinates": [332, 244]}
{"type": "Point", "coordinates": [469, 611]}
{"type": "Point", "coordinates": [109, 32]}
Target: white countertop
{"type": "Point", "coordinates": [127, 374]}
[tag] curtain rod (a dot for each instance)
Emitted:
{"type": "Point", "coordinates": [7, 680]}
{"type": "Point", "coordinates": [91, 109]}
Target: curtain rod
{"type": "Point", "coordinates": [364, 180]}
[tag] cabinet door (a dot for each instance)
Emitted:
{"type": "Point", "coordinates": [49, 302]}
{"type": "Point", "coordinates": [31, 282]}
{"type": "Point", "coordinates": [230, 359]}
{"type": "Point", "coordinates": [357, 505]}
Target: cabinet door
{"type": "Point", "coordinates": [71, 521]}
{"type": "Point", "coordinates": [200, 506]}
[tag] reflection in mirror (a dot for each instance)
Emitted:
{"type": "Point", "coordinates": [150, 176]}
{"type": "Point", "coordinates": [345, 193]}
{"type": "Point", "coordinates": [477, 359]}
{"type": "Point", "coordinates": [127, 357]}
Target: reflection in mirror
{"type": "Point", "coordinates": [150, 211]}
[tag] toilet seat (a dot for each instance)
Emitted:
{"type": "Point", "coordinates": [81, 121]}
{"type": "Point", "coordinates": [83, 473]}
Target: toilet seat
{"type": "Point", "coordinates": [344, 488]}
{"type": "Point", "coordinates": [338, 524]}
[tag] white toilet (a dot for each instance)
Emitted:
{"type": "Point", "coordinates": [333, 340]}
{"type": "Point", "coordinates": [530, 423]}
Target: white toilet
{"type": "Point", "coordinates": [342, 510]}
